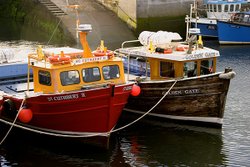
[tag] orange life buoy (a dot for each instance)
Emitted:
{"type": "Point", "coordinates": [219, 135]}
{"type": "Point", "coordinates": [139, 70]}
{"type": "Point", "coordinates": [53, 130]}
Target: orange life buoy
{"type": "Point", "coordinates": [59, 59]}
{"type": "Point", "coordinates": [98, 53]}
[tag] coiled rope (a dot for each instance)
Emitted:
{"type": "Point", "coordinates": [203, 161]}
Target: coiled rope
{"type": "Point", "coordinates": [81, 135]}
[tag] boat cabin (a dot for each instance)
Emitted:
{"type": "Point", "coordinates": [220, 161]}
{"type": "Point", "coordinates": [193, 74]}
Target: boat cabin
{"type": "Point", "coordinates": [65, 69]}
{"type": "Point", "coordinates": [241, 18]}
{"type": "Point", "coordinates": [222, 9]}
{"type": "Point", "coordinates": [177, 63]}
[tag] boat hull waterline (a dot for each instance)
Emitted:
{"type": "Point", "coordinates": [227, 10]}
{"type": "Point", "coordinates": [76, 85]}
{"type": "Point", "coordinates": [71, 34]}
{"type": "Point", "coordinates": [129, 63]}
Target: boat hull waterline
{"type": "Point", "coordinates": [198, 99]}
{"type": "Point", "coordinates": [87, 111]}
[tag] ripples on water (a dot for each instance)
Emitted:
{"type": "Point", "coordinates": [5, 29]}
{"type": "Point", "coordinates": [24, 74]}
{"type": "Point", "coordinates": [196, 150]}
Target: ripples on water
{"type": "Point", "coordinates": [150, 144]}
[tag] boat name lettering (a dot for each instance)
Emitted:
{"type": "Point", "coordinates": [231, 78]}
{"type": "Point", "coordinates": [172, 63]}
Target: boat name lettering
{"type": "Point", "coordinates": [200, 55]}
{"type": "Point", "coordinates": [91, 59]}
{"type": "Point", "coordinates": [127, 88]}
{"type": "Point", "coordinates": [66, 97]}
{"type": "Point", "coordinates": [184, 92]}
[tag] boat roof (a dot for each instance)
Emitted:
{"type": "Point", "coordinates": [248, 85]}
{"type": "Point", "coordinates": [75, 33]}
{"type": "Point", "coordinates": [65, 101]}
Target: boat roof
{"type": "Point", "coordinates": [58, 50]}
{"type": "Point", "coordinates": [196, 54]}
{"type": "Point", "coordinates": [226, 1]}
{"type": "Point", "coordinates": [245, 12]}
{"type": "Point", "coordinates": [76, 57]}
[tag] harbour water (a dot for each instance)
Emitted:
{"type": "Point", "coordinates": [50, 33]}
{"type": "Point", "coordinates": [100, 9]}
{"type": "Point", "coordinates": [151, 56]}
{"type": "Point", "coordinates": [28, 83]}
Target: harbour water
{"type": "Point", "coordinates": [148, 143]}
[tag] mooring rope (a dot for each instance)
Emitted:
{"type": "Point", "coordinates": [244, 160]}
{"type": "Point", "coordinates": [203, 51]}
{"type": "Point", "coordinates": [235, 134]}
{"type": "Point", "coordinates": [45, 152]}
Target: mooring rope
{"type": "Point", "coordinates": [146, 113]}
{"type": "Point", "coordinates": [13, 123]}
{"type": "Point", "coordinates": [57, 134]}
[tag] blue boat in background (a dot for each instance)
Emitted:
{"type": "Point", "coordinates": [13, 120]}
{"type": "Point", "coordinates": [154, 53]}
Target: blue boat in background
{"type": "Point", "coordinates": [214, 10]}
{"type": "Point", "coordinates": [236, 30]}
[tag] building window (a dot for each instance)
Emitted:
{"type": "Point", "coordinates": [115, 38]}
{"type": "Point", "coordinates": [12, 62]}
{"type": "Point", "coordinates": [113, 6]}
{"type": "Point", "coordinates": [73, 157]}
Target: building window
{"type": "Point", "coordinates": [44, 78]}
{"type": "Point", "coordinates": [207, 67]}
{"type": "Point", "coordinates": [190, 69]}
{"type": "Point", "coordinates": [69, 77]}
{"type": "Point", "coordinates": [91, 74]}
{"type": "Point", "coordinates": [111, 72]}
{"type": "Point", "coordinates": [166, 69]}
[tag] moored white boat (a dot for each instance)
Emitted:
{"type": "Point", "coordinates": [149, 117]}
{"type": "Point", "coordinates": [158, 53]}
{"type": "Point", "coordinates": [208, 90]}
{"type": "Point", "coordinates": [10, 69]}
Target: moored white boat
{"type": "Point", "coordinates": [215, 10]}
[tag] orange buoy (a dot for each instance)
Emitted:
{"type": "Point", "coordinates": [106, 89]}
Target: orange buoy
{"type": "Point", "coordinates": [136, 90]}
{"type": "Point", "coordinates": [99, 52]}
{"type": "Point", "coordinates": [59, 59]}
{"type": "Point", "coordinates": [25, 115]}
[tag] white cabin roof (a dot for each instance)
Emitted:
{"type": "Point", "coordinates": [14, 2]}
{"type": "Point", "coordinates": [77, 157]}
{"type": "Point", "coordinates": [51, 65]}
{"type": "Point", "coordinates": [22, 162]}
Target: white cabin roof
{"type": "Point", "coordinates": [174, 56]}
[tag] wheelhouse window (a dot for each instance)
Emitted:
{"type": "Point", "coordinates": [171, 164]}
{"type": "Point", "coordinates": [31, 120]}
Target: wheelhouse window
{"type": "Point", "coordinates": [91, 74]}
{"type": "Point", "coordinates": [237, 7]}
{"type": "Point", "coordinates": [211, 8]}
{"type": "Point", "coordinates": [219, 8]}
{"type": "Point", "coordinates": [231, 8]}
{"type": "Point", "coordinates": [44, 77]}
{"type": "Point", "coordinates": [166, 69]}
{"type": "Point", "coordinates": [190, 69]}
{"type": "Point", "coordinates": [226, 8]}
{"type": "Point", "coordinates": [246, 18]}
{"type": "Point", "coordinates": [207, 67]}
{"type": "Point", "coordinates": [215, 10]}
{"type": "Point", "coordinates": [111, 72]}
{"type": "Point", "coordinates": [69, 77]}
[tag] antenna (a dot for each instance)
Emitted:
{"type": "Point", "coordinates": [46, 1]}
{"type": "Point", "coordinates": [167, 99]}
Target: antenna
{"type": "Point", "coordinates": [75, 7]}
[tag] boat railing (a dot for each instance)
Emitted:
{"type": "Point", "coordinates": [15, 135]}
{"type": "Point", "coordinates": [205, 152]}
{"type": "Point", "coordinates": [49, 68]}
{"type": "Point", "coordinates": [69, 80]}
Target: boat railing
{"type": "Point", "coordinates": [131, 41]}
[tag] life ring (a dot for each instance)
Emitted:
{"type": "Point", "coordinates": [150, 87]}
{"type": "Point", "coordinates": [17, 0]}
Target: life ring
{"type": "Point", "coordinates": [98, 53]}
{"type": "Point", "coordinates": [59, 59]}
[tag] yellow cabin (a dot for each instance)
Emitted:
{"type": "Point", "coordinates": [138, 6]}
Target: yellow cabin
{"type": "Point", "coordinates": [63, 69]}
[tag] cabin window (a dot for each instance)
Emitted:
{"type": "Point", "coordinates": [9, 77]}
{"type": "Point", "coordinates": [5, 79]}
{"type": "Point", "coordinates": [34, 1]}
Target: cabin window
{"type": "Point", "coordinates": [69, 77]}
{"type": "Point", "coordinates": [246, 18]}
{"type": "Point", "coordinates": [166, 69]}
{"type": "Point", "coordinates": [111, 72]}
{"type": "Point", "coordinates": [44, 78]}
{"type": "Point", "coordinates": [91, 74]}
{"type": "Point", "coordinates": [190, 69]}
{"type": "Point", "coordinates": [219, 8]}
{"type": "Point", "coordinates": [231, 8]}
{"type": "Point", "coordinates": [237, 7]}
{"type": "Point", "coordinates": [207, 67]}
{"type": "Point", "coordinates": [211, 8]}
{"type": "Point", "coordinates": [226, 8]}
{"type": "Point", "coordinates": [215, 10]}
